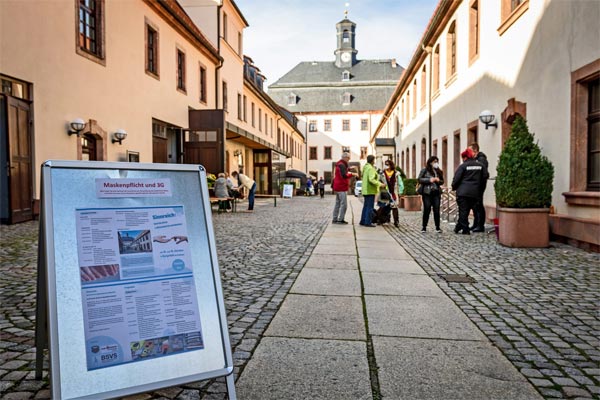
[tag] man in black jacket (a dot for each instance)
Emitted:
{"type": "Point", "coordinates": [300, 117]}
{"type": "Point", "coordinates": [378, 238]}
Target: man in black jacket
{"type": "Point", "coordinates": [479, 210]}
{"type": "Point", "coordinates": [467, 182]}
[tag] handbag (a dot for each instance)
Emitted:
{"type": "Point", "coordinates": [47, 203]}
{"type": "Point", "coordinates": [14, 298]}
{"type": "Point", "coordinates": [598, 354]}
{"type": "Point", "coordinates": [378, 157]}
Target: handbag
{"type": "Point", "coordinates": [427, 189]}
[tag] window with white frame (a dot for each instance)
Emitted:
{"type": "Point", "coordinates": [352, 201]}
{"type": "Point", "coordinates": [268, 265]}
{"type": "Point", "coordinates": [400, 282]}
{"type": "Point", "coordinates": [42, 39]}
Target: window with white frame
{"type": "Point", "coordinates": [346, 75]}
{"type": "Point", "coordinates": [346, 98]}
{"type": "Point", "coordinates": [292, 99]}
{"type": "Point", "coordinates": [312, 125]}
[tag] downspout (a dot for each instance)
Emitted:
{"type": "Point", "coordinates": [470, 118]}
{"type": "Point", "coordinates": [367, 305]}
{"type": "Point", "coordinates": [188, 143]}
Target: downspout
{"type": "Point", "coordinates": [220, 65]}
{"type": "Point", "coordinates": [428, 50]}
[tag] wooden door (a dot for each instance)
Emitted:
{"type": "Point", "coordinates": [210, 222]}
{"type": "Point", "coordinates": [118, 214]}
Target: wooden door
{"type": "Point", "coordinates": [159, 150]}
{"type": "Point", "coordinates": [203, 153]}
{"type": "Point", "coordinates": [20, 161]}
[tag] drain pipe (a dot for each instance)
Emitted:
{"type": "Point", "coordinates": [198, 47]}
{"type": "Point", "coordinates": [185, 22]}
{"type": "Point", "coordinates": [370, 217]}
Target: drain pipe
{"type": "Point", "coordinates": [220, 65]}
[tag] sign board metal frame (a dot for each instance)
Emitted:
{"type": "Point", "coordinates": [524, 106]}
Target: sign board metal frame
{"type": "Point", "coordinates": [70, 185]}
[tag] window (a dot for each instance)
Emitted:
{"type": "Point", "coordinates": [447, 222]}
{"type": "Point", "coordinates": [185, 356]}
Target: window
{"type": "Point", "coordinates": [151, 50]}
{"type": "Point", "coordinates": [406, 167]}
{"type": "Point", "coordinates": [472, 135]}
{"type": "Point", "coordinates": [225, 105]}
{"type": "Point", "coordinates": [239, 107]}
{"type": "Point", "coordinates": [445, 154]}
{"type": "Point", "coordinates": [252, 116]}
{"type": "Point", "coordinates": [363, 152]}
{"type": "Point", "coordinates": [271, 127]}
{"type": "Point", "coordinates": [90, 34]}
{"type": "Point", "coordinates": [327, 125]}
{"type": "Point", "coordinates": [435, 148]}
{"type": "Point", "coordinates": [180, 70]}
{"type": "Point", "coordinates": [423, 85]}
{"type": "Point", "coordinates": [259, 119]}
{"type": "Point", "coordinates": [364, 124]}
{"type": "Point", "coordinates": [202, 84]}
{"type": "Point", "coordinates": [451, 52]}
{"type": "Point", "coordinates": [402, 160]}
{"type": "Point", "coordinates": [584, 184]}
{"type": "Point", "coordinates": [240, 43]}
{"type": "Point", "coordinates": [436, 69]}
{"type": "Point", "coordinates": [327, 153]}
{"type": "Point", "coordinates": [266, 123]}
{"type": "Point", "coordinates": [346, 76]}
{"type": "Point", "coordinates": [292, 99]}
{"type": "Point", "coordinates": [346, 98]}
{"type": "Point", "coordinates": [345, 125]}
{"type": "Point", "coordinates": [312, 153]}
{"type": "Point", "coordinates": [345, 36]}
{"type": "Point", "coordinates": [225, 26]}
{"type": "Point", "coordinates": [473, 30]}
{"type": "Point", "coordinates": [414, 161]}
{"type": "Point", "coordinates": [403, 114]}
{"type": "Point", "coordinates": [345, 149]}
{"type": "Point", "coordinates": [312, 125]}
{"type": "Point", "coordinates": [414, 99]}
{"type": "Point", "coordinates": [511, 11]}
{"type": "Point", "coordinates": [457, 149]}
{"type": "Point", "coordinates": [245, 108]}
{"type": "Point", "coordinates": [423, 153]}
{"type": "Point", "coordinates": [327, 177]}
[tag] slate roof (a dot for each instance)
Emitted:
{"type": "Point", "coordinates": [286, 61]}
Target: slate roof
{"type": "Point", "coordinates": [319, 87]}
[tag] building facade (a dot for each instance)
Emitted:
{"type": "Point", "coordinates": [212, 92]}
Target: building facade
{"type": "Point", "coordinates": [129, 81]}
{"type": "Point", "coordinates": [338, 102]}
{"type": "Point", "coordinates": [536, 58]}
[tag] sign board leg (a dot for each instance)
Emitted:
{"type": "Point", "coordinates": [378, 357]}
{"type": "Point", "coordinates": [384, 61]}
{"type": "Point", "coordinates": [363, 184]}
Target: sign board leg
{"type": "Point", "coordinates": [41, 312]}
{"type": "Point", "coordinates": [230, 387]}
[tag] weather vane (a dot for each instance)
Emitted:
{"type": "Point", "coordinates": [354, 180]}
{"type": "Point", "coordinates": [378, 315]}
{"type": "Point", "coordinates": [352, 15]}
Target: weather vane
{"type": "Point", "coordinates": [346, 10]}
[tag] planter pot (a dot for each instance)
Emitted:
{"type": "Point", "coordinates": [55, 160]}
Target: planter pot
{"type": "Point", "coordinates": [524, 227]}
{"type": "Point", "coordinates": [412, 203]}
{"type": "Point", "coordinates": [401, 202]}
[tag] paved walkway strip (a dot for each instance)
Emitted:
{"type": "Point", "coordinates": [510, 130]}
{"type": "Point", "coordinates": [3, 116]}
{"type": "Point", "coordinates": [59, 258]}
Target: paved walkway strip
{"type": "Point", "coordinates": [423, 346]}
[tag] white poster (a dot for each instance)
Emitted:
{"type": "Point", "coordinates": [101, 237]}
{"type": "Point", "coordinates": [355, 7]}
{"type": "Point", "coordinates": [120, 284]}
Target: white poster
{"type": "Point", "coordinates": [138, 291]}
{"type": "Point", "coordinates": [288, 191]}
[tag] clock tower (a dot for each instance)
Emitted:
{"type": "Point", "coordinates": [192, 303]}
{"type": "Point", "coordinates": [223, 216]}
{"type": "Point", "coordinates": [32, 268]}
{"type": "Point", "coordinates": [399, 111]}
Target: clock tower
{"type": "Point", "coordinates": [345, 54]}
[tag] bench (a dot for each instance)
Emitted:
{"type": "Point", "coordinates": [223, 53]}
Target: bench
{"type": "Point", "coordinates": [268, 196]}
{"type": "Point", "coordinates": [218, 200]}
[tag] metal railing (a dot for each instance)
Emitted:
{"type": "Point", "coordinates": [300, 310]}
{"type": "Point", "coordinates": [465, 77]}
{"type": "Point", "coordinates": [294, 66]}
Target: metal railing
{"type": "Point", "coordinates": [449, 208]}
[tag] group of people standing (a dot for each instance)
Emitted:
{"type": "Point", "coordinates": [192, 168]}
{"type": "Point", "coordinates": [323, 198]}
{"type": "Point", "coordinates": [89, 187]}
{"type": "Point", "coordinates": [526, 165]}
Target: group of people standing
{"type": "Point", "coordinates": [469, 182]}
{"type": "Point", "coordinates": [224, 188]}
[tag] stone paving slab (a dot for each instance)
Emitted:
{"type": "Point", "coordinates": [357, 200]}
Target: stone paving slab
{"type": "Point", "coordinates": [331, 282]}
{"type": "Point", "coordinates": [393, 283]}
{"type": "Point", "coordinates": [325, 317]}
{"type": "Point", "coordinates": [285, 368]}
{"type": "Point", "coordinates": [384, 252]}
{"type": "Point", "coordinates": [389, 242]}
{"type": "Point", "coordinates": [388, 265]}
{"type": "Point", "coordinates": [419, 317]}
{"type": "Point", "coordinates": [348, 249]}
{"type": "Point", "coordinates": [333, 261]}
{"type": "Point", "coordinates": [444, 369]}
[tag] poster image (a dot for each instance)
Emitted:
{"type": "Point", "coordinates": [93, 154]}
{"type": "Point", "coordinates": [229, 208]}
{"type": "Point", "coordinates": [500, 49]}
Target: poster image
{"type": "Point", "coordinates": [138, 291]}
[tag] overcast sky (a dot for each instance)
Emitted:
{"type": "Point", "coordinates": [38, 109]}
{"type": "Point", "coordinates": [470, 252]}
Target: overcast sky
{"type": "Point", "coordinates": [283, 33]}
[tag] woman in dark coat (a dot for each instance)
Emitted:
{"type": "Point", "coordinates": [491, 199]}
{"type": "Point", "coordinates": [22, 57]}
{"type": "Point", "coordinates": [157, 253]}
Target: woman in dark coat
{"type": "Point", "coordinates": [431, 179]}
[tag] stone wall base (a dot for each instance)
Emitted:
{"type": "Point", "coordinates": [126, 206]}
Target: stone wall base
{"type": "Point", "coordinates": [578, 232]}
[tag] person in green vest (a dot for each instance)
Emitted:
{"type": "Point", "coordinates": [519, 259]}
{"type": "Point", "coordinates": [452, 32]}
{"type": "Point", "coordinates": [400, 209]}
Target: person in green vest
{"type": "Point", "coordinates": [370, 187]}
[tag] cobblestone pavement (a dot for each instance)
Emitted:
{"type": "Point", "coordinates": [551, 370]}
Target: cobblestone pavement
{"type": "Point", "coordinates": [540, 307]}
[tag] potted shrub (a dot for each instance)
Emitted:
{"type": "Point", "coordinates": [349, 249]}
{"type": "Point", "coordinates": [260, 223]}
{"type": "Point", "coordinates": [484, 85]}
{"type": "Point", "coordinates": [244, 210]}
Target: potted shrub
{"type": "Point", "coordinates": [523, 190]}
{"type": "Point", "coordinates": [412, 201]}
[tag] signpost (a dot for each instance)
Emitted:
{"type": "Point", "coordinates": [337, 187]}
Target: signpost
{"type": "Point", "coordinates": [129, 291]}
{"type": "Point", "coordinates": [288, 191]}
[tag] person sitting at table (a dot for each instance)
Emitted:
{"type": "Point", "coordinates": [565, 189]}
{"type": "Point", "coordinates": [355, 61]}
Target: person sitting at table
{"type": "Point", "coordinates": [222, 187]}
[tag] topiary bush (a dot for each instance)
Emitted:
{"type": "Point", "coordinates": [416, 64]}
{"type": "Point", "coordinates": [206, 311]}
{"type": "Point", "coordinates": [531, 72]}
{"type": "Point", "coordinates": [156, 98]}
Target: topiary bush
{"type": "Point", "coordinates": [524, 176]}
{"type": "Point", "coordinates": [402, 174]}
{"type": "Point", "coordinates": [410, 187]}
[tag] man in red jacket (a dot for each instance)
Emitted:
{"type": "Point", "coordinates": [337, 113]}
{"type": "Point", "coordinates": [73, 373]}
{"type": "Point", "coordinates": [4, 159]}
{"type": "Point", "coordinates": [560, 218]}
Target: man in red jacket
{"type": "Point", "coordinates": [341, 183]}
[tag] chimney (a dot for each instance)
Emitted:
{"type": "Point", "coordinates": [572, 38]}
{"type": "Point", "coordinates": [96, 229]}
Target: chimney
{"type": "Point", "coordinates": [394, 65]}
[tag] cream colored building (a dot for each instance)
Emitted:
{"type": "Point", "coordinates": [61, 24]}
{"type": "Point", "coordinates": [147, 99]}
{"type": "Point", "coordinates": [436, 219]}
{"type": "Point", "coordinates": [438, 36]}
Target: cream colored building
{"type": "Point", "coordinates": [535, 58]}
{"type": "Point", "coordinates": [140, 68]}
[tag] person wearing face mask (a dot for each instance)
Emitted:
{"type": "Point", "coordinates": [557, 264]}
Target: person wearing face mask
{"type": "Point", "coordinates": [431, 179]}
{"type": "Point", "coordinates": [395, 186]}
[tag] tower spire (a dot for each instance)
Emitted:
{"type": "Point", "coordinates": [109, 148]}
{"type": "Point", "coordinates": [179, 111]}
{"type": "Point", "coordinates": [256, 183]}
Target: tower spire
{"type": "Point", "coordinates": [346, 10]}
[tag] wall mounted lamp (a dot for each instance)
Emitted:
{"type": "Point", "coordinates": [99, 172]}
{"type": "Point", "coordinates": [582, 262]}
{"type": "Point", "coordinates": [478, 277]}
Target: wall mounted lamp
{"type": "Point", "coordinates": [120, 135]}
{"type": "Point", "coordinates": [237, 153]}
{"type": "Point", "coordinates": [486, 117]}
{"type": "Point", "coordinates": [76, 126]}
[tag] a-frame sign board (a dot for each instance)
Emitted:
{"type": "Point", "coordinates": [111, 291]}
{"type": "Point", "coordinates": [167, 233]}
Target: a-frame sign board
{"type": "Point", "coordinates": [129, 291]}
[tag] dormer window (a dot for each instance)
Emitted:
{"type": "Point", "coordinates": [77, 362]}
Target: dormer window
{"type": "Point", "coordinates": [346, 98]}
{"type": "Point", "coordinates": [345, 36]}
{"type": "Point", "coordinates": [346, 75]}
{"type": "Point", "coordinates": [292, 99]}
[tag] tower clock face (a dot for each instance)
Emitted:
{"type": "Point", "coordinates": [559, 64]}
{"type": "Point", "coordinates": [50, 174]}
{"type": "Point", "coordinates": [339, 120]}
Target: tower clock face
{"type": "Point", "coordinates": [345, 57]}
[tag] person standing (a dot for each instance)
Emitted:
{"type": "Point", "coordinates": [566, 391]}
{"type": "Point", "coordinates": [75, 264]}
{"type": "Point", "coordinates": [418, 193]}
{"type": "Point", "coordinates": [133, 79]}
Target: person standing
{"type": "Point", "coordinates": [370, 187]}
{"type": "Point", "coordinates": [431, 179]}
{"type": "Point", "coordinates": [248, 183]}
{"type": "Point", "coordinates": [395, 187]}
{"type": "Point", "coordinates": [479, 210]}
{"type": "Point", "coordinates": [309, 187]}
{"type": "Point", "coordinates": [340, 185]}
{"type": "Point", "coordinates": [321, 187]}
{"type": "Point", "coordinates": [467, 182]}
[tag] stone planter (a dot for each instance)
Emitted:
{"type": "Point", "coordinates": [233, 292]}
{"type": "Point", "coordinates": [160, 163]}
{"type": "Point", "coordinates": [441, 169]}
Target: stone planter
{"type": "Point", "coordinates": [412, 203]}
{"type": "Point", "coordinates": [524, 227]}
{"type": "Point", "coordinates": [401, 202]}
